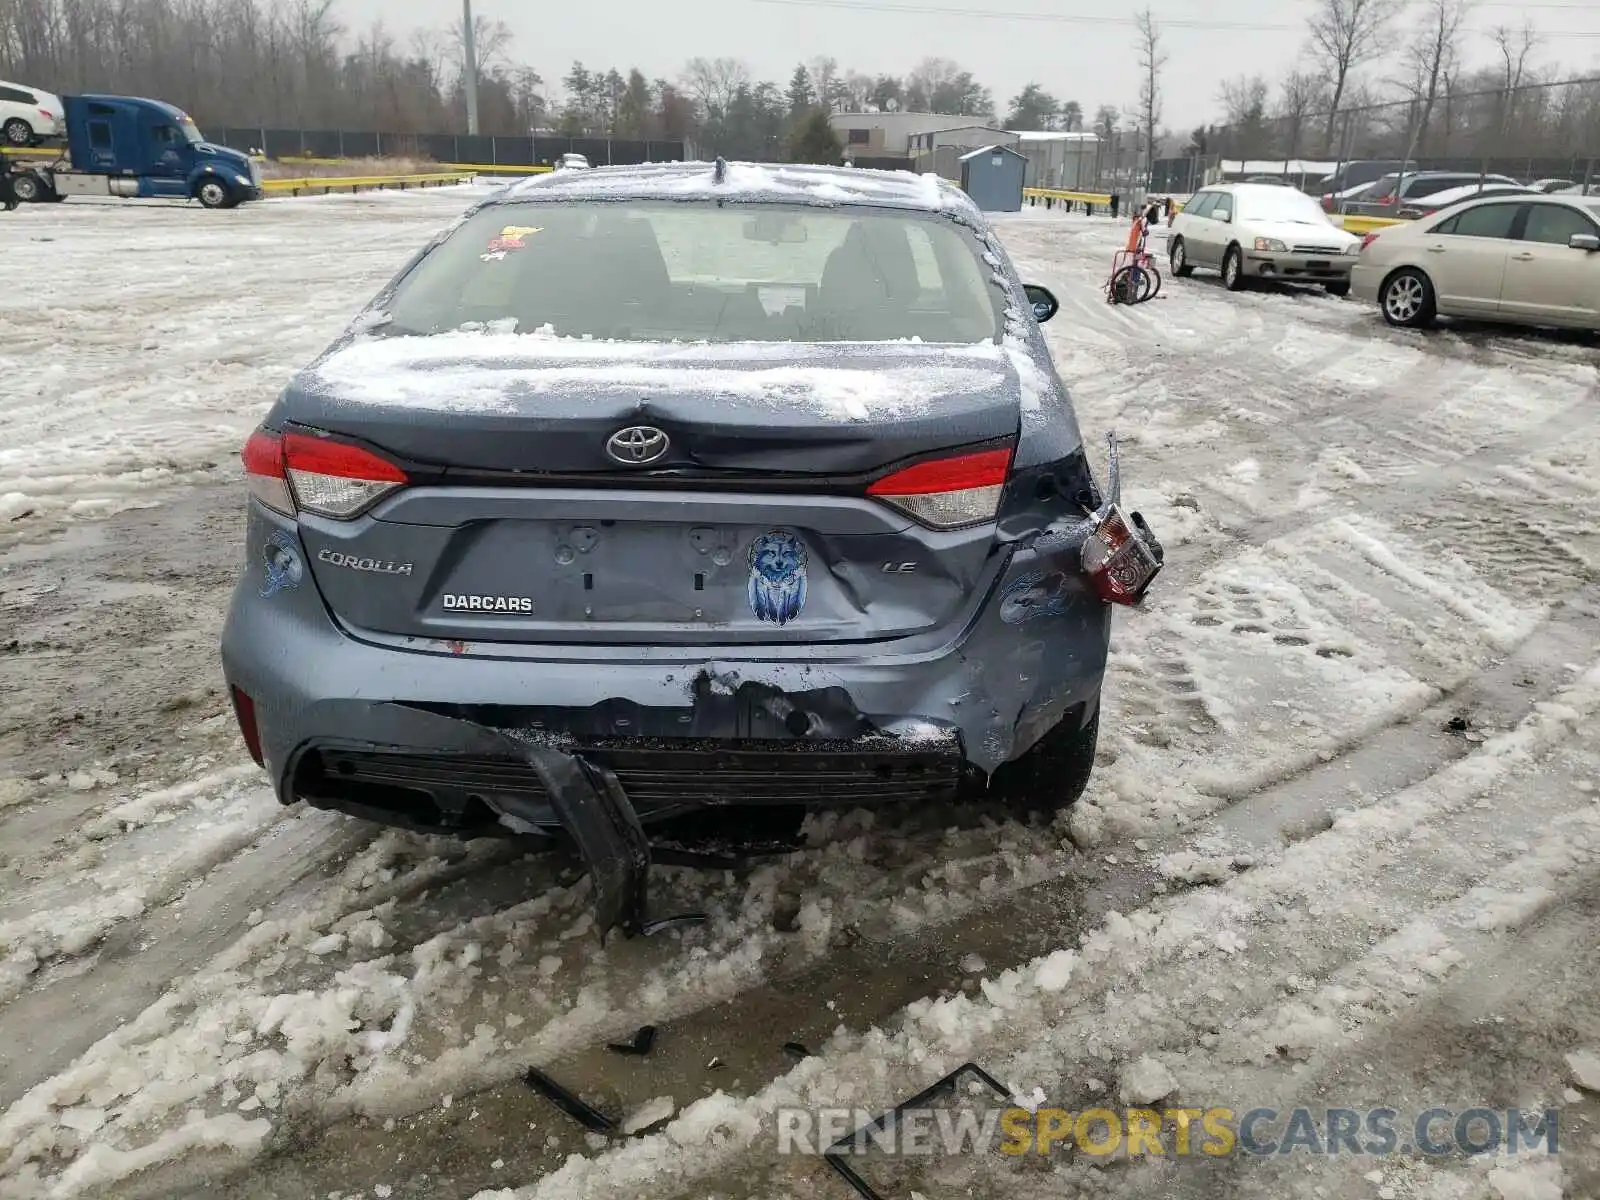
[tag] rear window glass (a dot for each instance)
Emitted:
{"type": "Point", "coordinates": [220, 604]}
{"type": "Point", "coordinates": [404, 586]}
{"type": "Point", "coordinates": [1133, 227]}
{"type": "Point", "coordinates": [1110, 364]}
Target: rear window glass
{"type": "Point", "coordinates": [1487, 221]}
{"type": "Point", "coordinates": [698, 272]}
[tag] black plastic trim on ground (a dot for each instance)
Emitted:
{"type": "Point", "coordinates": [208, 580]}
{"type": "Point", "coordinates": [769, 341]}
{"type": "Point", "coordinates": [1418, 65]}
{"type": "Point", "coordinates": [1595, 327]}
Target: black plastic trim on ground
{"type": "Point", "coordinates": [834, 1154]}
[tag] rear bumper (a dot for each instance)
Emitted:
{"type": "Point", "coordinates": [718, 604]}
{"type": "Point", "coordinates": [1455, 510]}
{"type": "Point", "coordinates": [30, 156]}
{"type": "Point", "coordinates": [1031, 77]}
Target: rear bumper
{"type": "Point", "coordinates": [1267, 265]}
{"type": "Point", "coordinates": [319, 692]}
{"type": "Point", "coordinates": [1365, 280]}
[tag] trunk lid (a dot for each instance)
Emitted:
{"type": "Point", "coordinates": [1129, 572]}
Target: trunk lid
{"type": "Point", "coordinates": [751, 525]}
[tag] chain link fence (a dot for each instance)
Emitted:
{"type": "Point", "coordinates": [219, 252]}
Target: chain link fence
{"type": "Point", "coordinates": [446, 147]}
{"type": "Point", "coordinates": [1546, 130]}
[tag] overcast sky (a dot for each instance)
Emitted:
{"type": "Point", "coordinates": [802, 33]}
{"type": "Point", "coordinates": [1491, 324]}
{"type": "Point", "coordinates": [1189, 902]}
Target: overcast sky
{"type": "Point", "coordinates": [1085, 58]}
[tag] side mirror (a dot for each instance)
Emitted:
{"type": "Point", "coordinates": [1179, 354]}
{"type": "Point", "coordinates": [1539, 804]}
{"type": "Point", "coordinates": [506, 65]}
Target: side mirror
{"type": "Point", "coordinates": [1044, 302]}
{"type": "Point", "coordinates": [1584, 241]}
{"type": "Point", "coordinates": [1224, 215]}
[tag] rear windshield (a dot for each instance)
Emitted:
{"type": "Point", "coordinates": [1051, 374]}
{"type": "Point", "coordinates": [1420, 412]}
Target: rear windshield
{"type": "Point", "coordinates": [697, 272]}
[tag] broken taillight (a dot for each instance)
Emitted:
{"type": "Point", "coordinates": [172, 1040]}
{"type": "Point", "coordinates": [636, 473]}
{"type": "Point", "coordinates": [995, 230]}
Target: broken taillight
{"type": "Point", "coordinates": [1121, 556]}
{"type": "Point", "coordinates": [316, 474]}
{"type": "Point", "coordinates": [947, 493]}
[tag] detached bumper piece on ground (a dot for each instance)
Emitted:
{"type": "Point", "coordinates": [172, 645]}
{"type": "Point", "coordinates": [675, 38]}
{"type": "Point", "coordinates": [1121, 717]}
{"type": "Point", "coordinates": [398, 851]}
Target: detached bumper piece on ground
{"type": "Point", "coordinates": [836, 1153]}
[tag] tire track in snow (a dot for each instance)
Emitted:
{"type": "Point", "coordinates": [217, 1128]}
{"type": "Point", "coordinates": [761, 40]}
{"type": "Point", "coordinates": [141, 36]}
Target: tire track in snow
{"type": "Point", "coordinates": [1058, 1020]}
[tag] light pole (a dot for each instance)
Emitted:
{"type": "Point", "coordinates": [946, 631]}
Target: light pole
{"type": "Point", "coordinates": [469, 67]}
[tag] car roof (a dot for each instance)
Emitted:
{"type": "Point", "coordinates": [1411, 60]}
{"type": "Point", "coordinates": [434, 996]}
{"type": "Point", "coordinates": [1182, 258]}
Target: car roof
{"type": "Point", "coordinates": [795, 183]}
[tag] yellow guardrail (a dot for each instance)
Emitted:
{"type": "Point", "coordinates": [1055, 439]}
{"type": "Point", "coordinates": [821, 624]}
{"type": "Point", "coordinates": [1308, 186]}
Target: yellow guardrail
{"type": "Point", "coordinates": [1100, 198]}
{"type": "Point", "coordinates": [355, 183]}
{"type": "Point", "coordinates": [1357, 224]}
{"type": "Point", "coordinates": [476, 168]}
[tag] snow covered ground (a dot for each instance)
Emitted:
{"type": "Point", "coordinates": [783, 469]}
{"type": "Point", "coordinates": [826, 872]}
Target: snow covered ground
{"type": "Point", "coordinates": [1342, 847]}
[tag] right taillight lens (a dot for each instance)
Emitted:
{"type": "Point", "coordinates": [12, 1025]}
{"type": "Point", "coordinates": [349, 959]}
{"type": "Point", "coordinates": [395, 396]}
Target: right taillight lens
{"type": "Point", "coordinates": [1368, 240]}
{"type": "Point", "coordinates": [300, 471]}
{"type": "Point", "coordinates": [948, 493]}
{"type": "Point", "coordinates": [1118, 558]}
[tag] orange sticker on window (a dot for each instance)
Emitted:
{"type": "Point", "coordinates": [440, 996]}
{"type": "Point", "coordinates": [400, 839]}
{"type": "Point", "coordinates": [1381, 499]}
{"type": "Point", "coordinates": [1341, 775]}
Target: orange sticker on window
{"type": "Point", "coordinates": [511, 238]}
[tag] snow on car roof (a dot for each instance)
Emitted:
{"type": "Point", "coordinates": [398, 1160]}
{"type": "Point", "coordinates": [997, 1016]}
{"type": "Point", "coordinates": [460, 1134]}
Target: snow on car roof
{"type": "Point", "coordinates": [748, 182]}
{"type": "Point", "coordinates": [1467, 191]}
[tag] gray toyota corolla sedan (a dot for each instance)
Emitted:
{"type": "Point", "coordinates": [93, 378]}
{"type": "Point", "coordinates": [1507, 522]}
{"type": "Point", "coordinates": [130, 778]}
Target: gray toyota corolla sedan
{"type": "Point", "coordinates": [644, 490]}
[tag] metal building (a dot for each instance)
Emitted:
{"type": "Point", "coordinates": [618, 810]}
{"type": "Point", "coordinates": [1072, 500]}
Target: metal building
{"type": "Point", "coordinates": [993, 176]}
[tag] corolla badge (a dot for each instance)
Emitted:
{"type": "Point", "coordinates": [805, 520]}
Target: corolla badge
{"type": "Point", "coordinates": [637, 445]}
{"type": "Point", "coordinates": [777, 576]}
{"type": "Point", "coordinates": [284, 568]}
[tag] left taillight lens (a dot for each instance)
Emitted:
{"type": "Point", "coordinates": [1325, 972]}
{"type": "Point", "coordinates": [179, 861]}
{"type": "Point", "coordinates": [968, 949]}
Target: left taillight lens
{"type": "Point", "coordinates": [298, 471]}
{"type": "Point", "coordinates": [948, 493]}
{"type": "Point", "coordinates": [264, 471]}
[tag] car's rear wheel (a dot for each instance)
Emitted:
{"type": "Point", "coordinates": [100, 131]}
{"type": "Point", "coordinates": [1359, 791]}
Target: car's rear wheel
{"type": "Point", "coordinates": [1233, 270]}
{"type": "Point", "coordinates": [1181, 267]}
{"type": "Point", "coordinates": [1338, 289]}
{"type": "Point", "coordinates": [18, 132]}
{"type": "Point", "coordinates": [1407, 299]}
{"type": "Point", "coordinates": [1051, 776]}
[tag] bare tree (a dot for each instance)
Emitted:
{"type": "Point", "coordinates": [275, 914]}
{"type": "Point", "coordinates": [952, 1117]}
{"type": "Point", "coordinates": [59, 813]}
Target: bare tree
{"type": "Point", "coordinates": [1429, 60]}
{"type": "Point", "coordinates": [1515, 45]}
{"type": "Point", "coordinates": [1344, 35]}
{"type": "Point", "coordinates": [1151, 59]}
{"type": "Point", "coordinates": [1244, 104]}
{"type": "Point", "coordinates": [1299, 95]}
{"type": "Point", "coordinates": [714, 82]}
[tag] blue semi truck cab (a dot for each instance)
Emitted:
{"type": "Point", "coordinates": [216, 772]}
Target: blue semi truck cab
{"type": "Point", "coordinates": [140, 149]}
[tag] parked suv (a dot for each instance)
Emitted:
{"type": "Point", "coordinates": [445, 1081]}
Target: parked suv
{"type": "Point", "coordinates": [27, 115]}
{"type": "Point", "coordinates": [1394, 193]}
{"type": "Point", "coordinates": [1256, 231]}
{"type": "Point", "coordinates": [759, 488]}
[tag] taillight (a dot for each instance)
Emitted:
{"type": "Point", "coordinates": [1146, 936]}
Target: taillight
{"type": "Point", "coordinates": [948, 493]}
{"type": "Point", "coordinates": [1118, 558]}
{"type": "Point", "coordinates": [47, 114]}
{"type": "Point", "coordinates": [244, 711]}
{"type": "Point", "coordinates": [1389, 199]}
{"type": "Point", "coordinates": [1369, 239]}
{"type": "Point", "coordinates": [316, 475]}
{"type": "Point", "coordinates": [335, 479]}
{"type": "Point", "coordinates": [264, 471]}
{"type": "Point", "coordinates": [1327, 202]}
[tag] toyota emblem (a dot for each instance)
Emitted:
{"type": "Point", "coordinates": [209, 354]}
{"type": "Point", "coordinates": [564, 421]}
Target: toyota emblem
{"type": "Point", "coordinates": [637, 445]}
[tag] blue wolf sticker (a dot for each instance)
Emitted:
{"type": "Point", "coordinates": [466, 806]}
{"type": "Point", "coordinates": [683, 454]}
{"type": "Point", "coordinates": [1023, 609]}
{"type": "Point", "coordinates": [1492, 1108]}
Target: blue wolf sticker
{"type": "Point", "coordinates": [777, 576]}
{"type": "Point", "coordinates": [284, 568]}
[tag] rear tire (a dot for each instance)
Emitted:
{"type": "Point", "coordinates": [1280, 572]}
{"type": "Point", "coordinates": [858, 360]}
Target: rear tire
{"type": "Point", "coordinates": [1338, 289]}
{"type": "Point", "coordinates": [18, 132]}
{"type": "Point", "coordinates": [1051, 776]}
{"type": "Point", "coordinates": [27, 188]}
{"type": "Point", "coordinates": [1233, 277]}
{"type": "Point", "coordinates": [1407, 300]}
{"type": "Point", "coordinates": [1179, 255]}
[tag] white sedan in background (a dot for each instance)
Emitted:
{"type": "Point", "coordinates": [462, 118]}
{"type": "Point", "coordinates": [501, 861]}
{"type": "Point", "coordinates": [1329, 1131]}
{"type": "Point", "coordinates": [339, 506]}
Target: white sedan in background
{"type": "Point", "coordinates": [1252, 231]}
{"type": "Point", "coordinates": [1521, 259]}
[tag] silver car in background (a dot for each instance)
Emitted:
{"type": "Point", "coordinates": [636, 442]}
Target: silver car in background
{"type": "Point", "coordinates": [1251, 231]}
{"type": "Point", "coordinates": [1522, 259]}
